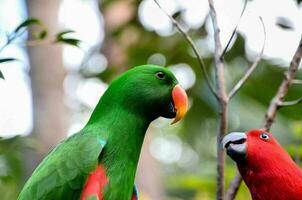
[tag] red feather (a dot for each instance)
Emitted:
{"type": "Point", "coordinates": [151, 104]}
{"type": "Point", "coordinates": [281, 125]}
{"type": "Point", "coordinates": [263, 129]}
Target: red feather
{"type": "Point", "coordinates": [95, 184]}
{"type": "Point", "coordinates": [269, 172]}
{"type": "Point", "coordinates": [134, 194]}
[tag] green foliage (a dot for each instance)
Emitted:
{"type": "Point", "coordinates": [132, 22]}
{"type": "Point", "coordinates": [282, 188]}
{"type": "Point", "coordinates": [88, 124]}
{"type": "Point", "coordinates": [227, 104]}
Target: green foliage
{"type": "Point", "coordinates": [17, 33]}
{"type": "Point", "coordinates": [37, 35]}
{"type": "Point", "coordinates": [1, 75]}
{"type": "Point", "coordinates": [27, 23]}
{"type": "Point", "coordinates": [41, 35]}
{"type": "Point", "coordinates": [62, 37]}
{"type": "Point", "coordinates": [11, 166]}
{"type": "Point", "coordinates": [3, 60]}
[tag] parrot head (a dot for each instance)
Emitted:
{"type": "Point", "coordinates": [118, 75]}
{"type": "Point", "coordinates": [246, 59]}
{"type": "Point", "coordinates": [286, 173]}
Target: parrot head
{"type": "Point", "coordinates": [253, 147]}
{"type": "Point", "coordinates": [266, 168]}
{"type": "Point", "coordinates": [150, 91]}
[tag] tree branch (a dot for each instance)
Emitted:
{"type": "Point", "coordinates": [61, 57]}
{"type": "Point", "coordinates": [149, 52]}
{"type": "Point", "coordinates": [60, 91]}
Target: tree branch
{"type": "Point", "coordinates": [193, 46]}
{"type": "Point", "coordinates": [234, 31]}
{"type": "Point", "coordinates": [296, 81]}
{"type": "Point", "coordinates": [290, 103]}
{"type": "Point", "coordinates": [272, 109]}
{"type": "Point", "coordinates": [283, 89]}
{"type": "Point", "coordinates": [252, 68]}
{"type": "Point", "coordinates": [233, 188]}
{"type": "Point", "coordinates": [223, 103]}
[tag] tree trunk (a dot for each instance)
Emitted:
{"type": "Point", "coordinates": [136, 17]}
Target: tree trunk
{"type": "Point", "coordinates": [47, 75]}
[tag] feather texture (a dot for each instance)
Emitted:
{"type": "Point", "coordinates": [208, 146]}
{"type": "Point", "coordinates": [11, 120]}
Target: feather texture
{"type": "Point", "coordinates": [100, 161]}
{"type": "Point", "coordinates": [269, 172]}
{"type": "Point", "coordinates": [95, 184]}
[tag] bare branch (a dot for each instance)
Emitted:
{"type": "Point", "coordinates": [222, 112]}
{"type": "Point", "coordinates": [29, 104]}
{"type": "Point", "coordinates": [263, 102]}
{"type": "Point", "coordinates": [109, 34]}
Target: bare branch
{"type": "Point", "coordinates": [283, 89]}
{"type": "Point", "coordinates": [290, 103]}
{"type": "Point", "coordinates": [233, 188]}
{"type": "Point", "coordinates": [273, 107]}
{"type": "Point", "coordinates": [296, 81]}
{"type": "Point", "coordinates": [223, 103]}
{"type": "Point", "coordinates": [193, 46]}
{"type": "Point", "coordinates": [218, 50]}
{"type": "Point", "coordinates": [234, 31]}
{"type": "Point", "coordinates": [252, 68]}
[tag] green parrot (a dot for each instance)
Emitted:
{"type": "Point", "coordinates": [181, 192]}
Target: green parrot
{"type": "Point", "coordinates": [99, 162]}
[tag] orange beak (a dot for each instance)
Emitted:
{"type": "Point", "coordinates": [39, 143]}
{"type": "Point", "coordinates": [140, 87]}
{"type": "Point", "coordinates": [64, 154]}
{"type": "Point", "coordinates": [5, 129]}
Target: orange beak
{"type": "Point", "coordinates": [180, 100]}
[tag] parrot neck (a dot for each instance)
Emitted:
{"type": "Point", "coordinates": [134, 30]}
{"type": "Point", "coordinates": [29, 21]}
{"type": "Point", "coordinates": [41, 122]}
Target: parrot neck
{"type": "Point", "coordinates": [123, 131]}
{"type": "Point", "coordinates": [273, 178]}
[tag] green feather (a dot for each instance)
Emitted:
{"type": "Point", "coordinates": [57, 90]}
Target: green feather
{"type": "Point", "coordinates": [62, 174]}
{"type": "Point", "coordinates": [92, 198]}
{"type": "Point", "coordinates": [113, 137]}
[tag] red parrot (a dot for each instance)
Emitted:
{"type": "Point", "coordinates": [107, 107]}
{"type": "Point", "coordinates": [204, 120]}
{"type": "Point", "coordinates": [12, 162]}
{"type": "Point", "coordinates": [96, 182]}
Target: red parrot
{"type": "Point", "coordinates": [266, 168]}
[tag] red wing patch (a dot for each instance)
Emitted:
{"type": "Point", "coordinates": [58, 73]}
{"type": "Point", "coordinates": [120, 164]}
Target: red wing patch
{"type": "Point", "coordinates": [133, 197]}
{"type": "Point", "coordinates": [134, 194]}
{"type": "Point", "coordinates": [95, 184]}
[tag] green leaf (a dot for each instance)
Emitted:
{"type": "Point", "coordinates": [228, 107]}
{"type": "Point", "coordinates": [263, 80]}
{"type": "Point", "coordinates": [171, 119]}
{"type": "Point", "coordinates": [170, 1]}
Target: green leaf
{"type": "Point", "coordinates": [28, 22]}
{"type": "Point", "coordinates": [61, 34]}
{"type": "Point", "coordinates": [70, 41]}
{"type": "Point", "coordinates": [2, 60]}
{"type": "Point", "coordinates": [61, 37]}
{"type": "Point", "coordinates": [43, 34]}
{"type": "Point", "coordinates": [177, 14]}
{"type": "Point", "coordinates": [40, 35]}
{"type": "Point", "coordinates": [1, 75]}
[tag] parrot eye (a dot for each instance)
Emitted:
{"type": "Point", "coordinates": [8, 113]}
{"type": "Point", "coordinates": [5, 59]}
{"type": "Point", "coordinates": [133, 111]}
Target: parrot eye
{"type": "Point", "coordinates": [264, 136]}
{"type": "Point", "coordinates": [160, 75]}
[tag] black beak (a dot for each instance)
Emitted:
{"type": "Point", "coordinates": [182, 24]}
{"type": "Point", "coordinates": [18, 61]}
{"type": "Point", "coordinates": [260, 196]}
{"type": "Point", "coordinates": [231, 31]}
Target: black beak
{"type": "Point", "coordinates": [170, 112]}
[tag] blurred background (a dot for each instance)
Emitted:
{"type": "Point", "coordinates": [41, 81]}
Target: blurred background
{"type": "Point", "coordinates": [51, 90]}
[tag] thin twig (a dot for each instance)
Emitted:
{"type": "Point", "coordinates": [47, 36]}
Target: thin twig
{"type": "Point", "coordinates": [3, 47]}
{"type": "Point", "coordinates": [272, 109]}
{"type": "Point", "coordinates": [6, 43]}
{"type": "Point", "coordinates": [234, 31]}
{"type": "Point", "coordinates": [290, 103]}
{"type": "Point", "coordinates": [223, 103]}
{"type": "Point", "coordinates": [193, 46]}
{"type": "Point", "coordinates": [10, 38]}
{"type": "Point", "coordinates": [296, 81]}
{"type": "Point", "coordinates": [233, 188]}
{"type": "Point", "coordinates": [252, 68]}
{"type": "Point", "coordinates": [283, 89]}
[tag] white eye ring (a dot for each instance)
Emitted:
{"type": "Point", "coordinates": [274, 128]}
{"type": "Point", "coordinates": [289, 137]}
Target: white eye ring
{"type": "Point", "coordinates": [160, 75]}
{"type": "Point", "coordinates": [264, 136]}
